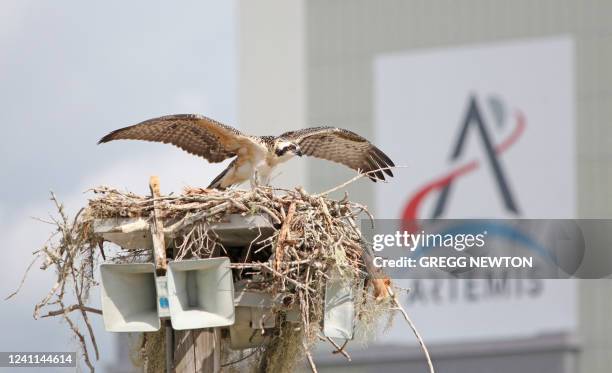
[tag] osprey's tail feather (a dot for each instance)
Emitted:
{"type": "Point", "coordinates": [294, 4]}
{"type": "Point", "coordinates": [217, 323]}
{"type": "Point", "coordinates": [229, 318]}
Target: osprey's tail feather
{"type": "Point", "coordinates": [216, 183]}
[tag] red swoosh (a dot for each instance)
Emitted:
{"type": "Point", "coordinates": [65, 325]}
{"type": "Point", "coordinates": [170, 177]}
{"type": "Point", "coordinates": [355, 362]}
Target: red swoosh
{"type": "Point", "coordinates": [410, 213]}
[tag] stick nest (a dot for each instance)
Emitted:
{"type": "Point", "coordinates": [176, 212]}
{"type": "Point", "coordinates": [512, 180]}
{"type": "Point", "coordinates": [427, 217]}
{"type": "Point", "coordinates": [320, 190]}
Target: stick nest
{"type": "Point", "coordinates": [314, 238]}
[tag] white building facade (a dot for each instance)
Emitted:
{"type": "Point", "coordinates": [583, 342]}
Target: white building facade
{"type": "Point", "coordinates": [404, 73]}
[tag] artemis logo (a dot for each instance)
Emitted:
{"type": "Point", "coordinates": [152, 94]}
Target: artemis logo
{"type": "Point", "coordinates": [472, 123]}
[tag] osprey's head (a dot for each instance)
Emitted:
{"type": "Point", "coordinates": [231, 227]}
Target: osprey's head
{"type": "Point", "coordinates": [286, 149]}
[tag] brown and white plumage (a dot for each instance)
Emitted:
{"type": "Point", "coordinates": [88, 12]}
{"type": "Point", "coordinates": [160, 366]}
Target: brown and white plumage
{"type": "Point", "coordinates": [256, 156]}
{"type": "Point", "coordinates": [342, 146]}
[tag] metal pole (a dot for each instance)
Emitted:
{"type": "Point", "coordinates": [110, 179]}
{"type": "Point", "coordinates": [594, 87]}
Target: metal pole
{"type": "Point", "coordinates": [169, 347]}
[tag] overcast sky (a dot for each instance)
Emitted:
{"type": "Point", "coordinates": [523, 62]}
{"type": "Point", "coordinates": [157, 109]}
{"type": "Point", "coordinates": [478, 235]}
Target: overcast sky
{"type": "Point", "coordinates": [71, 71]}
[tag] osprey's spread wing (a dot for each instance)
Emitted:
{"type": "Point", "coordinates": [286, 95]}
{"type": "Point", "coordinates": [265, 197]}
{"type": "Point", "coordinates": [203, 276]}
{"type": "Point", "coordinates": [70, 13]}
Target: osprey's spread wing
{"type": "Point", "coordinates": [193, 133]}
{"type": "Point", "coordinates": [342, 146]}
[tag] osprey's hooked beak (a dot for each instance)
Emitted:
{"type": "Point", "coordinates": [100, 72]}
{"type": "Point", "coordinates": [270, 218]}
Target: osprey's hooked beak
{"type": "Point", "coordinates": [298, 151]}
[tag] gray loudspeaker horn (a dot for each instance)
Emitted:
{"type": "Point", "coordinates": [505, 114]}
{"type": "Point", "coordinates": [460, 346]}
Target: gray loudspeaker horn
{"type": "Point", "coordinates": [339, 313]}
{"type": "Point", "coordinates": [200, 293]}
{"type": "Point", "coordinates": [129, 297]}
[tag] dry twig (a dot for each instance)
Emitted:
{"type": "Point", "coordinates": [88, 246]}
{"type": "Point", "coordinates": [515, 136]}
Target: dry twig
{"type": "Point", "coordinates": [415, 331]}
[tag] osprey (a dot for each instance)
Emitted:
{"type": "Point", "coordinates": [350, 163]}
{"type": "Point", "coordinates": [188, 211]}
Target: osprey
{"type": "Point", "coordinates": [257, 156]}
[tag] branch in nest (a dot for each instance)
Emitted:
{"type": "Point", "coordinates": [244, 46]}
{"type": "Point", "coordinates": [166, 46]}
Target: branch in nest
{"type": "Point", "coordinates": [69, 309]}
{"type": "Point", "coordinates": [339, 349]}
{"type": "Point", "coordinates": [23, 278]}
{"type": "Point", "coordinates": [348, 182]}
{"type": "Point", "coordinates": [311, 362]}
{"type": "Point", "coordinates": [414, 330]}
{"type": "Point", "coordinates": [284, 232]}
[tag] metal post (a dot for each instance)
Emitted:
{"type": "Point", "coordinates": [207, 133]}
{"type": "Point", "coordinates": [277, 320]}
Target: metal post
{"type": "Point", "coordinates": [169, 347]}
